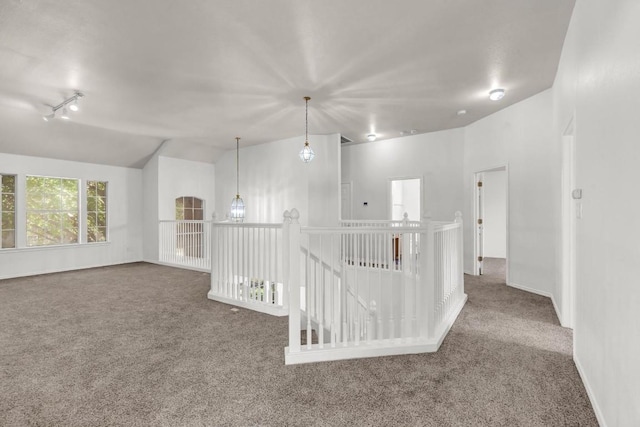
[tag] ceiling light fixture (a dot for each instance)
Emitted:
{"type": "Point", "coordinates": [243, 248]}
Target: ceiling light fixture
{"type": "Point", "coordinates": [237, 204]}
{"type": "Point", "coordinates": [496, 94]}
{"type": "Point", "coordinates": [306, 154]}
{"type": "Point", "coordinates": [462, 112]}
{"type": "Point", "coordinates": [372, 137]}
{"type": "Point", "coordinates": [73, 107]}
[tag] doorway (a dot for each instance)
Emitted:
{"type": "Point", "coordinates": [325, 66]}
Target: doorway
{"type": "Point", "coordinates": [491, 222]}
{"type": "Point", "coordinates": [346, 191]}
{"type": "Point", "coordinates": [570, 210]}
{"type": "Point", "coordinates": [406, 198]}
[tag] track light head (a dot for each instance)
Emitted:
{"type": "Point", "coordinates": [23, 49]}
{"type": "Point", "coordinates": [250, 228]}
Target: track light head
{"type": "Point", "coordinates": [71, 102]}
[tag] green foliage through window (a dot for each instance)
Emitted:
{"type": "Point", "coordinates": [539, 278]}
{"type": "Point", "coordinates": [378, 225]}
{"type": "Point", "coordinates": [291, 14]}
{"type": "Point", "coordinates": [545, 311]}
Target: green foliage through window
{"type": "Point", "coordinates": [52, 211]}
{"type": "Point", "coordinates": [96, 211]}
{"type": "Point", "coordinates": [8, 211]}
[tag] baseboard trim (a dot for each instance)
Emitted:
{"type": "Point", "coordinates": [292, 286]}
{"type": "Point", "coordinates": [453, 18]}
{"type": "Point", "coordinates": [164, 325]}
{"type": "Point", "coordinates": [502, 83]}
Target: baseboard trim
{"type": "Point", "coordinates": [64, 270]}
{"type": "Point", "coordinates": [531, 290]}
{"type": "Point", "coordinates": [541, 293]}
{"type": "Point", "coordinates": [587, 386]}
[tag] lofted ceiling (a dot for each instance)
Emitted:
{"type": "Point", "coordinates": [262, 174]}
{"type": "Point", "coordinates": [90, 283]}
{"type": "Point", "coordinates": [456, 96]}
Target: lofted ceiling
{"type": "Point", "coordinates": [195, 74]}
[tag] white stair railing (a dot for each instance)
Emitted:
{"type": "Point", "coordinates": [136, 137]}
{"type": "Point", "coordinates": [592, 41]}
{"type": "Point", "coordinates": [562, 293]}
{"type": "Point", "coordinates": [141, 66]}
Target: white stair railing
{"type": "Point", "coordinates": [377, 289]}
{"type": "Point", "coordinates": [186, 244]}
{"type": "Point", "coordinates": [247, 266]}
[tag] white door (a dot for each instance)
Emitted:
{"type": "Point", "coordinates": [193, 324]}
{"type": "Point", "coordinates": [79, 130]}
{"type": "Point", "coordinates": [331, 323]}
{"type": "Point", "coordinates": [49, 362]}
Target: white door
{"type": "Point", "coordinates": [491, 216]}
{"type": "Point", "coordinates": [345, 200]}
{"type": "Point", "coordinates": [479, 201]}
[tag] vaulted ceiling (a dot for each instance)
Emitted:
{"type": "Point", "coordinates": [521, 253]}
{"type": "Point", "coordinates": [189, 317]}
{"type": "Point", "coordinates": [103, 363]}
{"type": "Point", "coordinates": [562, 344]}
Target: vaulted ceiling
{"type": "Point", "coordinates": [198, 73]}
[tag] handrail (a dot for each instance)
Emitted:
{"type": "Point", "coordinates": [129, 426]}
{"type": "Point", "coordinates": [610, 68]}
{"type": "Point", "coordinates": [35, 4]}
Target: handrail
{"type": "Point", "coordinates": [247, 225]}
{"type": "Point", "coordinates": [362, 230]}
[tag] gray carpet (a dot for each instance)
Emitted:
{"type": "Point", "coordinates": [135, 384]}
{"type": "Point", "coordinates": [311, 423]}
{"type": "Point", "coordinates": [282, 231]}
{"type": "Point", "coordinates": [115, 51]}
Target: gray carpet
{"type": "Point", "coordinates": [140, 345]}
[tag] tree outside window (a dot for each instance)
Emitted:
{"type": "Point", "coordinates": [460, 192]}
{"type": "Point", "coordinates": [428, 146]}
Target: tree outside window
{"type": "Point", "coordinates": [52, 211]}
{"type": "Point", "coordinates": [8, 211]}
{"type": "Point", "coordinates": [96, 211]}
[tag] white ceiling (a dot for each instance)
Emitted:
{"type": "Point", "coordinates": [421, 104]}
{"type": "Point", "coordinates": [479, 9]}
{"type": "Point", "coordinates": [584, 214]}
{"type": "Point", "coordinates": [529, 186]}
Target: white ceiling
{"type": "Point", "coordinates": [198, 73]}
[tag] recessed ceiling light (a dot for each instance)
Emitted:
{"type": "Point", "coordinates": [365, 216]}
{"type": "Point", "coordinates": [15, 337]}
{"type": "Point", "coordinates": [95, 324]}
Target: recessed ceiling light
{"type": "Point", "coordinates": [496, 94]}
{"type": "Point", "coordinates": [372, 137]}
{"type": "Point", "coordinates": [462, 112]}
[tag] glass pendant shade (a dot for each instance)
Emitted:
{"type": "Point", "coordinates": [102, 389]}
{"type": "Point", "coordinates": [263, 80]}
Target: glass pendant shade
{"type": "Point", "coordinates": [237, 209]}
{"type": "Point", "coordinates": [307, 154]}
{"type": "Point", "coordinates": [237, 204]}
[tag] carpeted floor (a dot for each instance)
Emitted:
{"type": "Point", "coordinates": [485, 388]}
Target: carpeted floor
{"type": "Point", "coordinates": [140, 345]}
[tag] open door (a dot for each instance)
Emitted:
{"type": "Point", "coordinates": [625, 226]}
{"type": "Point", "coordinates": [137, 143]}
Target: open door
{"type": "Point", "coordinates": [490, 221]}
{"type": "Point", "coordinates": [479, 199]}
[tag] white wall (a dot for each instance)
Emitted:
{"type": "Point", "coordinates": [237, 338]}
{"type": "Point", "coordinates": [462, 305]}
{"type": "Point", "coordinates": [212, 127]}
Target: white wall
{"type": "Point", "coordinates": [520, 136]}
{"type": "Point", "coordinates": [274, 179]}
{"type": "Point", "coordinates": [436, 157]}
{"type": "Point", "coordinates": [598, 81]}
{"type": "Point", "coordinates": [494, 218]}
{"type": "Point", "coordinates": [177, 177]}
{"type": "Point", "coordinates": [124, 219]}
{"type": "Point", "coordinates": [150, 211]}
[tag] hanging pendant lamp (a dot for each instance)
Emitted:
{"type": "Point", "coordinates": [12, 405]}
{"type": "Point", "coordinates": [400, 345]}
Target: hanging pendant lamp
{"type": "Point", "coordinates": [237, 204]}
{"type": "Point", "coordinates": [306, 154]}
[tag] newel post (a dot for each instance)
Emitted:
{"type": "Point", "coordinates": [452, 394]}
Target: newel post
{"type": "Point", "coordinates": [291, 237]}
{"type": "Point", "coordinates": [213, 235]}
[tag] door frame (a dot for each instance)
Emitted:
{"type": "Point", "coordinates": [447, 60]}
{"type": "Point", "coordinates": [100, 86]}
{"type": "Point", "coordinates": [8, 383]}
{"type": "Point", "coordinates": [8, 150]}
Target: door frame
{"type": "Point", "coordinates": [569, 224]}
{"type": "Point", "coordinates": [476, 215]}
{"type": "Point", "coordinates": [350, 184]}
{"type": "Point", "coordinates": [403, 178]}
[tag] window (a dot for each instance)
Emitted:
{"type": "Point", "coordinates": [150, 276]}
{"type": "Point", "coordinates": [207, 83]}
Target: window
{"type": "Point", "coordinates": [8, 211]}
{"type": "Point", "coordinates": [52, 211]}
{"type": "Point", "coordinates": [189, 235]}
{"type": "Point", "coordinates": [189, 208]}
{"type": "Point", "coordinates": [96, 211]}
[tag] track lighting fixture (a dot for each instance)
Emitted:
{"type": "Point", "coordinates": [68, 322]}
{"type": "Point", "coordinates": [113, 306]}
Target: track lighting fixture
{"type": "Point", "coordinates": [74, 106]}
{"type": "Point", "coordinates": [63, 105]}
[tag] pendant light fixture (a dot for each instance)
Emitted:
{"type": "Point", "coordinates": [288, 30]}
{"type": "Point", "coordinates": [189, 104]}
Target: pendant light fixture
{"type": "Point", "coordinates": [237, 204]}
{"type": "Point", "coordinates": [306, 154]}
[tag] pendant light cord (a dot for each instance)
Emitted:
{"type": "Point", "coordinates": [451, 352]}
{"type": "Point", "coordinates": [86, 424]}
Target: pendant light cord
{"type": "Point", "coordinates": [237, 166]}
{"type": "Point", "coordinates": [306, 120]}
